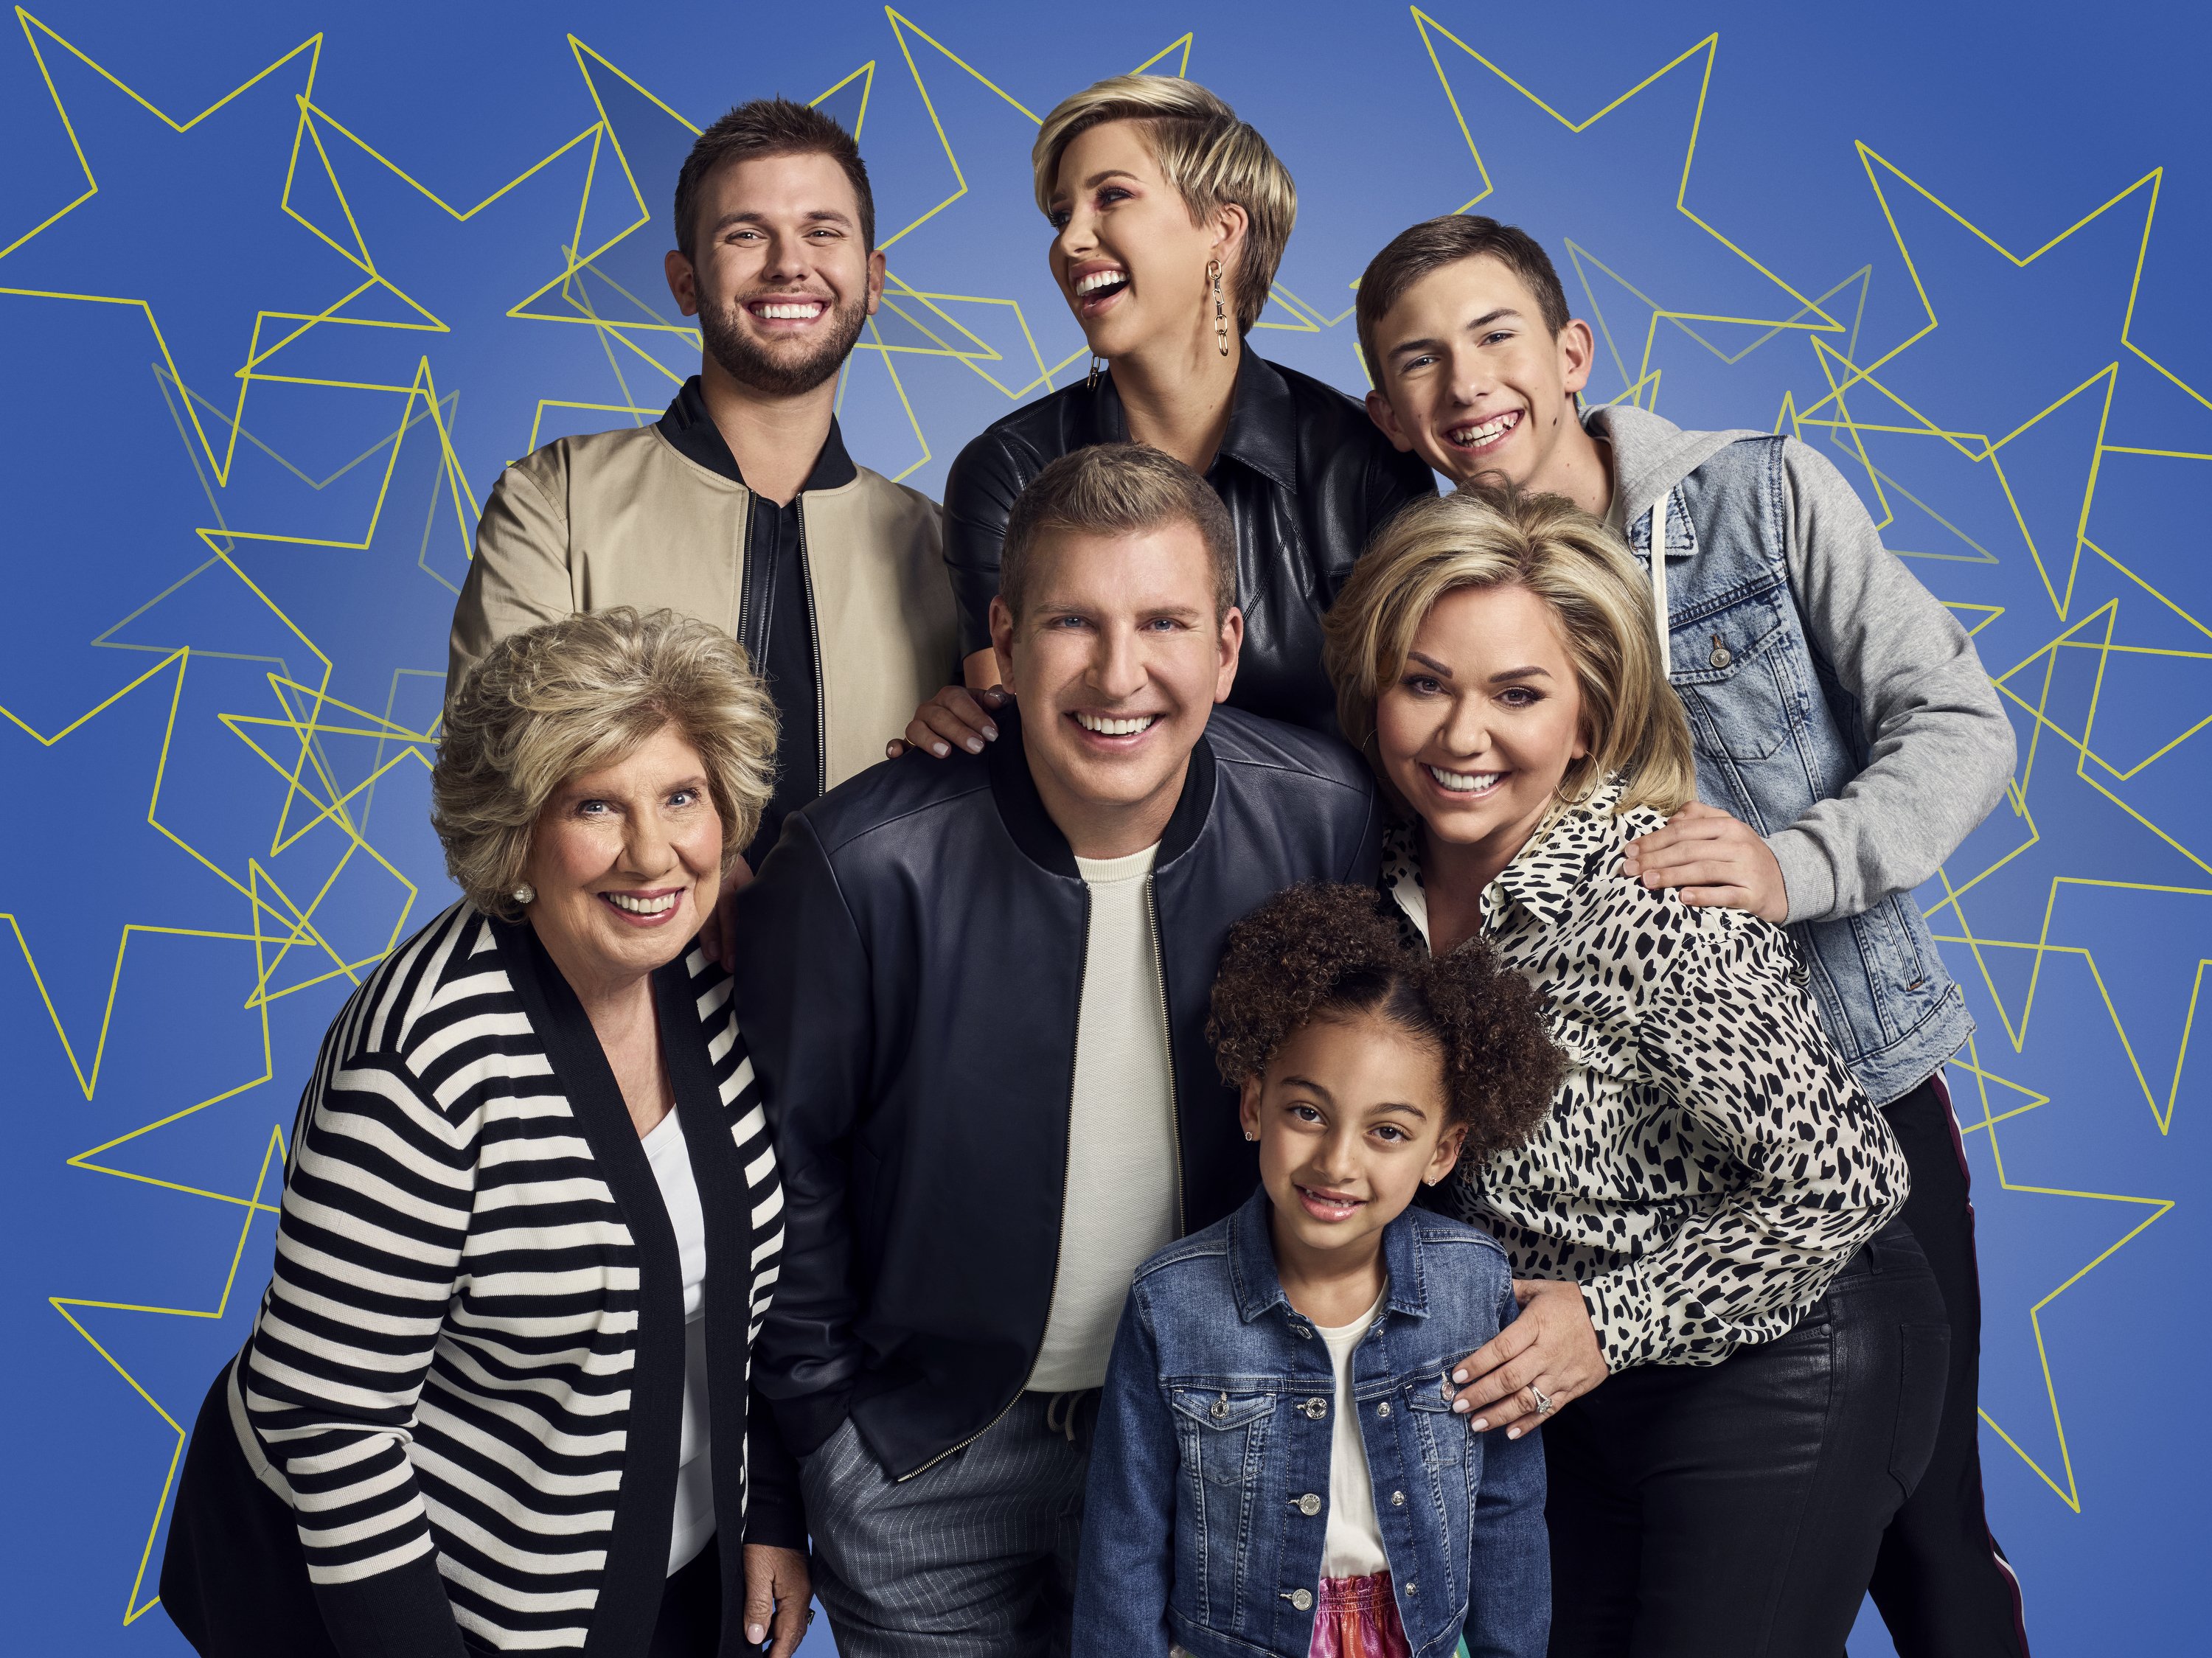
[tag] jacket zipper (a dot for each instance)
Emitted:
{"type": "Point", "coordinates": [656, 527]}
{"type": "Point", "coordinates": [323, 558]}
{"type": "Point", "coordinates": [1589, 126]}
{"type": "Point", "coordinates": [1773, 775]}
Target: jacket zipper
{"type": "Point", "coordinates": [746, 606]}
{"type": "Point", "coordinates": [814, 639]}
{"type": "Point", "coordinates": [1066, 1155]}
{"type": "Point", "coordinates": [1167, 1037]}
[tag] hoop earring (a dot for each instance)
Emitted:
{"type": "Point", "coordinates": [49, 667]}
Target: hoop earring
{"type": "Point", "coordinates": [1091, 381]}
{"type": "Point", "coordinates": [1220, 316]}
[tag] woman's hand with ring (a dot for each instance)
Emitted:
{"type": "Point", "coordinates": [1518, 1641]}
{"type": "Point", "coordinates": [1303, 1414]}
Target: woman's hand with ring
{"type": "Point", "coordinates": [1544, 1358]}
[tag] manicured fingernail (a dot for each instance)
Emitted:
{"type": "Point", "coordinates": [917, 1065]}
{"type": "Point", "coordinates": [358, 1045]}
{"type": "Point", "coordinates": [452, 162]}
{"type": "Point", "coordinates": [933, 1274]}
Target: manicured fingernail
{"type": "Point", "coordinates": [974, 745]}
{"type": "Point", "coordinates": [991, 731]}
{"type": "Point", "coordinates": [1480, 1425]}
{"type": "Point", "coordinates": [1461, 1405]}
{"type": "Point", "coordinates": [1513, 1433]}
{"type": "Point", "coordinates": [1459, 1375]}
{"type": "Point", "coordinates": [756, 1634]}
{"type": "Point", "coordinates": [939, 750]}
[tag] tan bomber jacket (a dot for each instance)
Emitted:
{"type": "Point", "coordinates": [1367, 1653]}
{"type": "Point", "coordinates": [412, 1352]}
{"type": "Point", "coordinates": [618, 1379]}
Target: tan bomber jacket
{"type": "Point", "coordinates": [622, 517]}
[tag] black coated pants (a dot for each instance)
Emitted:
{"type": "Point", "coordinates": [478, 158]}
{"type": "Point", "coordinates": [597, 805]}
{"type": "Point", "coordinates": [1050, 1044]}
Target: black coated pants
{"type": "Point", "coordinates": [1735, 1510]}
{"type": "Point", "coordinates": [1941, 1581]}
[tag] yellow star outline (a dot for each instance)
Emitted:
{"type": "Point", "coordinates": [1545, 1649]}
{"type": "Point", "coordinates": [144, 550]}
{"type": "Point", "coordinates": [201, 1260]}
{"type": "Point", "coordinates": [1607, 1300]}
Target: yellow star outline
{"type": "Point", "coordinates": [69, 1306]}
{"type": "Point", "coordinates": [1976, 446]}
{"type": "Point", "coordinates": [256, 353]}
{"type": "Point", "coordinates": [293, 924]}
{"type": "Point", "coordinates": [1429, 28]}
{"type": "Point", "coordinates": [2070, 1492]}
{"type": "Point", "coordinates": [1870, 159]}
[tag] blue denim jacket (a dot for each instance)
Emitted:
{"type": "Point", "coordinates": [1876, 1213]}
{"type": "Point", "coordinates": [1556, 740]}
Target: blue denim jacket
{"type": "Point", "coordinates": [1775, 731]}
{"type": "Point", "coordinates": [1213, 1438]}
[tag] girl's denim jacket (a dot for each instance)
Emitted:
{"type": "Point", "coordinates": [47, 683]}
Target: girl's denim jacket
{"type": "Point", "coordinates": [1208, 1492]}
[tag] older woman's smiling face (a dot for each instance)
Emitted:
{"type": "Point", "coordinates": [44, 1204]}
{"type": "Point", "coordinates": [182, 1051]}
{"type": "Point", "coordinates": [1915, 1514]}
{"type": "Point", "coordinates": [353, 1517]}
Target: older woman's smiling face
{"type": "Point", "coordinates": [627, 862]}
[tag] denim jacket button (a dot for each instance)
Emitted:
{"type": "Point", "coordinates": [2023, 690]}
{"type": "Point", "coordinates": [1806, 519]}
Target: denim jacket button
{"type": "Point", "coordinates": [1309, 1505]}
{"type": "Point", "coordinates": [1412, 1588]}
{"type": "Point", "coordinates": [1383, 1409]}
{"type": "Point", "coordinates": [1301, 1598]}
{"type": "Point", "coordinates": [1397, 1499]}
{"type": "Point", "coordinates": [1316, 1408]}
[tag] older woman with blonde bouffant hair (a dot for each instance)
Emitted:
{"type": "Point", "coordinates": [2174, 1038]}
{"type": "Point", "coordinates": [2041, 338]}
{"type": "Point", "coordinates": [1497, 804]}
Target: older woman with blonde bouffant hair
{"type": "Point", "coordinates": [1169, 216]}
{"type": "Point", "coordinates": [495, 1395]}
{"type": "Point", "coordinates": [1704, 1222]}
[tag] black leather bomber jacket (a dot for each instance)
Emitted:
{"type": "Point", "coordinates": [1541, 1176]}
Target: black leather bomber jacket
{"type": "Point", "coordinates": [909, 987]}
{"type": "Point", "coordinates": [1307, 479]}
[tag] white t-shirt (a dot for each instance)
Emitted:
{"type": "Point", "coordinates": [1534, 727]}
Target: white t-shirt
{"type": "Point", "coordinates": [1353, 1544]}
{"type": "Point", "coordinates": [1119, 1206]}
{"type": "Point", "coordinates": [671, 1158]}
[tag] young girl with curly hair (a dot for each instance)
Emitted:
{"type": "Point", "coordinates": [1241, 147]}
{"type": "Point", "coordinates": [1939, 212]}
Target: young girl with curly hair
{"type": "Point", "coordinates": [1278, 1467]}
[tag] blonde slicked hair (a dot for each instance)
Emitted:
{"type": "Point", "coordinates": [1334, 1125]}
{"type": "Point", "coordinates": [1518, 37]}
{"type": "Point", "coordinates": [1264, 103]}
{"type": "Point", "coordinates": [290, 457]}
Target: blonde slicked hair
{"type": "Point", "coordinates": [571, 696]}
{"type": "Point", "coordinates": [1208, 157]}
{"type": "Point", "coordinates": [1633, 724]}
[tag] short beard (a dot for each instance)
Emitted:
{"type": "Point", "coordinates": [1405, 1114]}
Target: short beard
{"type": "Point", "coordinates": [744, 360]}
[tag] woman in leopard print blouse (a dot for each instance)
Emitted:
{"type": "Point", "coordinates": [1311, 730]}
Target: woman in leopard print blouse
{"type": "Point", "coordinates": [1704, 1222]}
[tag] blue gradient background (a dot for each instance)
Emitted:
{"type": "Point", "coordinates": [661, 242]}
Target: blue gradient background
{"type": "Point", "coordinates": [143, 845]}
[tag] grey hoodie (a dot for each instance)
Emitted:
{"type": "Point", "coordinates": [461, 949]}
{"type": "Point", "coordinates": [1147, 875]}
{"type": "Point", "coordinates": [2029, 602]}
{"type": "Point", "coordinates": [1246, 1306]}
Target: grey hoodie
{"type": "Point", "coordinates": [1941, 750]}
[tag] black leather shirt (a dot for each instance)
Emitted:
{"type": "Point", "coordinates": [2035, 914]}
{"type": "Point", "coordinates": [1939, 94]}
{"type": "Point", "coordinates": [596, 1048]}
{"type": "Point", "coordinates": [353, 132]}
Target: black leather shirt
{"type": "Point", "coordinates": [1307, 479]}
{"type": "Point", "coordinates": [909, 984]}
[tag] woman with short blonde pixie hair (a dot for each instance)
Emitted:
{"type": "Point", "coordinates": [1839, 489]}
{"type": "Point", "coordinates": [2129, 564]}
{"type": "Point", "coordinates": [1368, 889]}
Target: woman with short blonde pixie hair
{"type": "Point", "coordinates": [531, 1217]}
{"type": "Point", "coordinates": [1209, 157]}
{"type": "Point", "coordinates": [1705, 1223]}
{"type": "Point", "coordinates": [1634, 726]}
{"type": "Point", "coordinates": [1170, 215]}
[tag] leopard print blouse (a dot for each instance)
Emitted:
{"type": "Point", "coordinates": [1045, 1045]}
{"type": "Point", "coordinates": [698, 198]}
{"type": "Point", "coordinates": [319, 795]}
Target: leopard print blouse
{"type": "Point", "coordinates": [1708, 1164]}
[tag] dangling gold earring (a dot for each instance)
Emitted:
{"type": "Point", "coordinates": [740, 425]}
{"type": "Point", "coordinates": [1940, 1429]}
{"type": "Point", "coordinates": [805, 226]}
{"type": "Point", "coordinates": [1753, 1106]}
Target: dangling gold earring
{"type": "Point", "coordinates": [1220, 316]}
{"type": "Point", "coordinates": [1091, 382]}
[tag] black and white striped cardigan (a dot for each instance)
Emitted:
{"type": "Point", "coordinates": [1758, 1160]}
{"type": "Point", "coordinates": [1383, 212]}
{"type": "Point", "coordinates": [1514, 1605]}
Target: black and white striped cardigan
{"type": "Point", "coordinates": [466, 1375]}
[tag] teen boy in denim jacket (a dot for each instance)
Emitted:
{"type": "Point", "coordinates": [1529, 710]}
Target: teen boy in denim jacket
{"type": "Point", "coordinates": [1847, 737]}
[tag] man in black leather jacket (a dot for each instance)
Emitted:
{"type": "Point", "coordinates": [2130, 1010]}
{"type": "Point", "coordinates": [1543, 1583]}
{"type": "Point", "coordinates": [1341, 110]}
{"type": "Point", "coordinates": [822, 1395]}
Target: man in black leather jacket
{"type": "Point", "coordinates": [975, 994]}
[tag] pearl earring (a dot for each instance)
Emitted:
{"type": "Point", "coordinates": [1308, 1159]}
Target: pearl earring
{"type": "Point", "coordinates": [524, 893]}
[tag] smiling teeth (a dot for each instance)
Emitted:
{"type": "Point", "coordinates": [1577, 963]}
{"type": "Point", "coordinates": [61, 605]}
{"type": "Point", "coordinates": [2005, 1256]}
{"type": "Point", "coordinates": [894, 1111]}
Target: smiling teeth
{"type": "Point", "coordinates": [790, 313]}
{"type": "Point", "coordinates": [1466, 782]}
{"type": "Point", "coordinates": [659, 906]}
{"type": "Point", "coordinates": [1469, 437]}
{"type": "Point", "coordinates": [1091, 722]}
{"type": "Point", "coordinates": [1098, 279]}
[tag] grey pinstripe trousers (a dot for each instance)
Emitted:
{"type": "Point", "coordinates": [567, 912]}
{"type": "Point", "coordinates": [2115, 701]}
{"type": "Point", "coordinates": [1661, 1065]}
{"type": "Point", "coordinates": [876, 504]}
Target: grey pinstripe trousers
{"type": "Point", "coordinates": [972, 1558]}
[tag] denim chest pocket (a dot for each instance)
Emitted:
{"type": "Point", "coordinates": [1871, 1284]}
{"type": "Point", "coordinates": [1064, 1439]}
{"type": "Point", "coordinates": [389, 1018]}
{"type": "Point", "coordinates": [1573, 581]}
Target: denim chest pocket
{"type": "Point", "coordinates": [1223, 1434]}
{"type": "Point", "coordinates": [1738, 677]}
{"type": "Point", "coordinates": [1442, 1431]}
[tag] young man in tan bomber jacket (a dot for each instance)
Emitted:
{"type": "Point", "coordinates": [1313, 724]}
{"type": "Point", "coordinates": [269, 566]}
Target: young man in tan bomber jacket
{"type": "Point", "coordinates": [740, 506]}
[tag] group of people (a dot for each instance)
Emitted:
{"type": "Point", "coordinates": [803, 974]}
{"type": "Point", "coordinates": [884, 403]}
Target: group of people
{"type": "Point", "coordinates": [1363, 1075]}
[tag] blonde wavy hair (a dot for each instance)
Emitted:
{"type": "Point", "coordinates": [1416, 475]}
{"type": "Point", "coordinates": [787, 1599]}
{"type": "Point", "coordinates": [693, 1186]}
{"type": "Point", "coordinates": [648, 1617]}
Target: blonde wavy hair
{"type": "Point", "coordinates": [572, 696]}
{"type": "Point", "coordinates": [1632, 723]}
{"type": "Point", "coordinates": [1208, 157]}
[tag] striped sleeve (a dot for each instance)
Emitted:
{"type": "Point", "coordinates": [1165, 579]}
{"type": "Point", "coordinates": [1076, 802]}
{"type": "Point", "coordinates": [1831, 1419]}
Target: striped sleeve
{"type": "Point", "coordinates": [375, 1218]}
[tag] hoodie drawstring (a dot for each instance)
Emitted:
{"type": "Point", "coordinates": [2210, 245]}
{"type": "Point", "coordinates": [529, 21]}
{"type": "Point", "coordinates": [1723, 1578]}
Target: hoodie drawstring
{"type": "Point", "coordinates": [1659, 579]}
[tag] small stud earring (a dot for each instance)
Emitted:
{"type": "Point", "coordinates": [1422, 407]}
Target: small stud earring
{"type": "Point", "coordinates": [524, 894]}
{"type": "Point", "coordinates": [1249, 1135]}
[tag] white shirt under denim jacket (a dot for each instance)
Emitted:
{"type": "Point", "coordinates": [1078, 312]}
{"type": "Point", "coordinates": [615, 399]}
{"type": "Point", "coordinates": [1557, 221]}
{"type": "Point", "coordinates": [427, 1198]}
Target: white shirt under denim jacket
{"type": "Point", "coordinates": [1708, 1164]}
{"type": "Point", "coordinates": [1209, 1501]}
